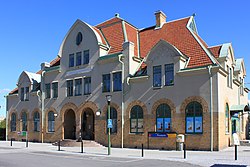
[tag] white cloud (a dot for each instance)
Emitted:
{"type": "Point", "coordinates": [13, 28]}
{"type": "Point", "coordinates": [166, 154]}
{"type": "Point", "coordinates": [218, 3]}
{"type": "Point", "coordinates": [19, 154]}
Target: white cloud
{"type": "Point", "coordinates": [6, 90]}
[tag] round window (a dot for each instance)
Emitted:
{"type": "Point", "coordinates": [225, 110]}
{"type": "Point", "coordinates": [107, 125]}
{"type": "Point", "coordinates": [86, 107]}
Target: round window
{"type": "Point", "coordinates": [79, 38]}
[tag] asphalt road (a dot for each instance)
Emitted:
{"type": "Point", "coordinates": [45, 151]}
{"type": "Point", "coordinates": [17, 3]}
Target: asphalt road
{"type": "Point", "coordinates": [16, 158]}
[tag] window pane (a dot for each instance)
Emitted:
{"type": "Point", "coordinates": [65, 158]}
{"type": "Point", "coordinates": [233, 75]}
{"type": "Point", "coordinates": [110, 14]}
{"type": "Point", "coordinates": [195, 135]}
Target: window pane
{"type": "Point", "coordinates": [117, 81]}
{"type": "Point", "coordinates": [51, 121]}
{"type": "Point", "coordinates": [26, 93]}
{"type": "Point", "coordinates": [198, 124]}
{"type": "Point", "coordinates": [71, 60]}
{"type": "Point", "coordinates": [159, 124]}
{"type": "Point", "coordinates": [87, 85]}
{"type": "Point", "coordinates": [78, 58]}
{"type": "Point", "coordinates": [140, 125]}
{"type": "Point", "coordinates": [78, 87]}
{"type": "Point", "coordinates": [36, 122]}
{"type": "Point", "coordinates": [106, 83]}
{"type": "Point", "coordinates": [157, 76]}
{"type": "Point", "coordinates": [69, 88]}
{"type": "Point", "coordinates": [86, 57]}
{"type": "Point", "coordinates": [189, 124]}
{"type": "Point", "coordinates": [22, 94]}
{"type": "Point", "coordinates": [47, 91]}
{"type": "Point", "coordinates": [169, 74]}
{"type": "Point", "coordinates": [133, 126]}
{"type": "Point", "coordinates": [13, 122]}
{"type": "Point", "coordinates": [55, 89]}
{"type": "Point", "coordinates": [24, 121]}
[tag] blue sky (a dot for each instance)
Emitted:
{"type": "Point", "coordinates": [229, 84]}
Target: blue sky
{"type": "Point", "coordinates": [31, 31]}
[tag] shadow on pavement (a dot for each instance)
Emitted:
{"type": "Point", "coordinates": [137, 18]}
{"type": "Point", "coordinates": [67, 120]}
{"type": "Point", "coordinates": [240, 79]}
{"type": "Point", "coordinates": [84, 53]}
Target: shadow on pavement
{"type": "Point", "coordinates": [225, 165]}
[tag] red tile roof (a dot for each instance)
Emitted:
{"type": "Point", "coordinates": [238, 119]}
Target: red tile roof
{"type": "Point", "coordinates": [215, 50]}
{"type": "Point", "coordinates": [132, 36]}
{"type": "Point", "coordinates": [177, 34]}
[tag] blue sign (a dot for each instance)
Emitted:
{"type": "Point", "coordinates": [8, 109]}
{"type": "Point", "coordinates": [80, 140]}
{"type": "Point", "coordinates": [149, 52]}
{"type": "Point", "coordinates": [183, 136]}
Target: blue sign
{"type": "Point", "coordinates": [110, 125]}
{"type": "Point", "coordinates": [158, 135]}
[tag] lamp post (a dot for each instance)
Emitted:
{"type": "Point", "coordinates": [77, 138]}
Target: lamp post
{"type": "Point", "coordinates": [108, 97]}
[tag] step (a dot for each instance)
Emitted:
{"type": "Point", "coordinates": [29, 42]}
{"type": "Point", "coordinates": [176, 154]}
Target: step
{"type": "Point", "coordinates": [75, 143]}
{"type": "Point", "coordinates": [245, 142]}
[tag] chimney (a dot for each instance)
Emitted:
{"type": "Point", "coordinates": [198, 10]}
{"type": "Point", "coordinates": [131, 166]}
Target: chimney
{"type": "Point", "coordinates": [160, 18]}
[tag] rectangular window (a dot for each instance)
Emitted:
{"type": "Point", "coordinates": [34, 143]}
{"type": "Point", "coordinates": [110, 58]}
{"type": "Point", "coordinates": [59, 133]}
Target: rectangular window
{"type": "Point", "coordinates": [169, 74]}
{"type": "Point", "coordinates": [87, 85]}
{"type": "Point", "coordinates": [71, 60]}
{"type": "Point", "coordinates": [55, 89]}
{"type": "Point", "coordinates": [231, 77]}
{"type": "Point", "coordinates": [27, 94]}
{"type": "Point", "coordinates": [86, 57]}
{"type": "Point", "coordinates": [117, 81]}
{"type": "Point", "coordinates": [78, 87]}
{"type": "Point", "coordinates": [157, 76]}
{"type": "Point", "coordinates": [69, 88]}
{"type": "Point", "coordinates": [241, 86]}
{"type": "Point", "coordinates": [47, 90]}
{"type": "Point", "coordinates": [22, 94]}
{"type": "Point", "coordinates": [78, 58]}
{"type": "Point", "coordinates": [106, 83]}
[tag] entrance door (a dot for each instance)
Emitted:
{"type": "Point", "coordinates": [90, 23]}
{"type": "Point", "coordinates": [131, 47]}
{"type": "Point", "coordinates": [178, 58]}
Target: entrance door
{"type": "Point", "coordinates": [233, 126]}
{"type": "Point", "coordinates": [88, 125]}
{"type": "Point", "coordinates": [69, 125]}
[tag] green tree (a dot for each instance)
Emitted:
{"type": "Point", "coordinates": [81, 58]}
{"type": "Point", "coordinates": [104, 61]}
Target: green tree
{"type": "Point", "coordinates": [3, 124]}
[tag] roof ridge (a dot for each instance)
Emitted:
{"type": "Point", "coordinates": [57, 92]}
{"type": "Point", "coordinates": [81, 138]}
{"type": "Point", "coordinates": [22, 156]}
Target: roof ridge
{"type": "Point", "coordinates": [98, 25]}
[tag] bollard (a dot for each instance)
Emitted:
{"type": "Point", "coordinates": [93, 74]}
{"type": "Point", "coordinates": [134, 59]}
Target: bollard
{"type": "Point", "coordinates": [26, 143]}
{"type": "Point", "coordinates": [81, 146]}
{"type": "Point", "coordinates": [59, 145]}
{"type": "Point", "coordinates": [11, 142]}
{"type": "Point", "coordinates": [184, 148]}
{"type": "Point", "coordinates": [235, 152]}
{"type": "Point", "coordinates": [142, 151]}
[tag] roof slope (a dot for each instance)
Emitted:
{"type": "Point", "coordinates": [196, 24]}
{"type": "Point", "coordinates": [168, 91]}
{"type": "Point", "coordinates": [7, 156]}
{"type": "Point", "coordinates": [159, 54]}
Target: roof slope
{"type": "Point", "coordinates": [177, 34]}
{"type": "Point", "coordinates": [215, 50]}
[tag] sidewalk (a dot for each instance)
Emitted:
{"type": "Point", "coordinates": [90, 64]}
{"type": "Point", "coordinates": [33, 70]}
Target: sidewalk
{"type": "Point", "coordinates": [203, 158]}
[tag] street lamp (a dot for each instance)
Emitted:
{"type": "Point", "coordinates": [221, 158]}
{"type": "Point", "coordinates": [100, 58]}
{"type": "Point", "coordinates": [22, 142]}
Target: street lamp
{"type": "Point", "coordinates": [108, 97]}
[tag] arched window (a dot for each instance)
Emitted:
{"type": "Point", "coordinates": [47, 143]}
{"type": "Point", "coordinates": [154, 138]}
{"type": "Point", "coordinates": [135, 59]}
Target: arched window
{"type": "Point", "coordinates": [24, 121]}
{"type": "Point", "coordinates": [36, 121]}
{"type": "Point", "coordinates": [227, 118]}
{"type": "Point", "coordinates": [163, 118]}
{"type": "Point", "coordinates": [136, 119]}
{"type": "Point", "coordinates": [13, 122]}
{"type": "Point", "coordinates": [194, 118]}
{"type": "Point", "coordinates": [51, 122]}
{"type": "Point", "coordinates": [113, 117]}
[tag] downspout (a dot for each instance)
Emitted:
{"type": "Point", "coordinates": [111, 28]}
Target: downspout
{"type": "Point", "coordinates": [42, 104]}
{"type": "Point", "coordinates": [7, 117]}
{"type": "Point", "coordinates": [123, 94]}
{"type": "Point", "coordinates": [211, 107]}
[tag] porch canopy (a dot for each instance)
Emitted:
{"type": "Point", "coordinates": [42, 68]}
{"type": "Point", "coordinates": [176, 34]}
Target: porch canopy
{"type": "Point", "coordinates": [240, 108]}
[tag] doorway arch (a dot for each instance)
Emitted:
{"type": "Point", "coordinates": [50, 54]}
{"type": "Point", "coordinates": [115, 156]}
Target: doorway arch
{"type": "Point", "coordinates": [87, 124]}
{"type": "Point", "coordinates": [69, 125]}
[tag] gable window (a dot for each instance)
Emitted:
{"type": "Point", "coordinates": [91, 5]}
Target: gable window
{"type": "Point", "coordinates": [47, 91]}
{"type": "Point", "coordinates": [136, 119]}
{"type": "Point", "coordinates": [86, 57]}
{"type": "Point", "coordinates": [169, 74]}
{"type": "Point", "coordinates": [69, 88]}
{"type": "Point", "coordinates": [113, 117]}
{"type": "Point", "coordinates": [227, 118]}
{"type": "Point", "coordinates": [55, 89]}
{"type": "Point", "coordinates": [117, 81]}
{"type": "Point", "coordinates": [22, 94]}
{"type": "Point", "coordinates": [36, 120]}
{"type": "Point", "coordinates": [78, 38]}
{"type": "Point", "coordinates": [163, 118]}
{"type": "Point", "coordinates": [194, 118]}
{"type": "Point", "coordinates": [13, 122]}
{"type": "Point", "coordinates": [71, 60]}
{"type": "Point", "coordinates": [78, 87]}
{"type": "Point", "coordinates": [24, 121]}
{"type": "Point", "coordinates": [51, 122]}
{"type": "Point", "coordinates": [27, 94]}
{"type": "Point", "coordinates": [87, 85]}
{"type": "Point", "coordinates": [78, 58]}
{"type": "Point", "coordinates": [106, 83]}
{"type": "Point", "coordinates": [157, 76]}
{"type": "Point", "coordinates": [241, 86]}
{"type": "Point", "coordinates": [229, 77]}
